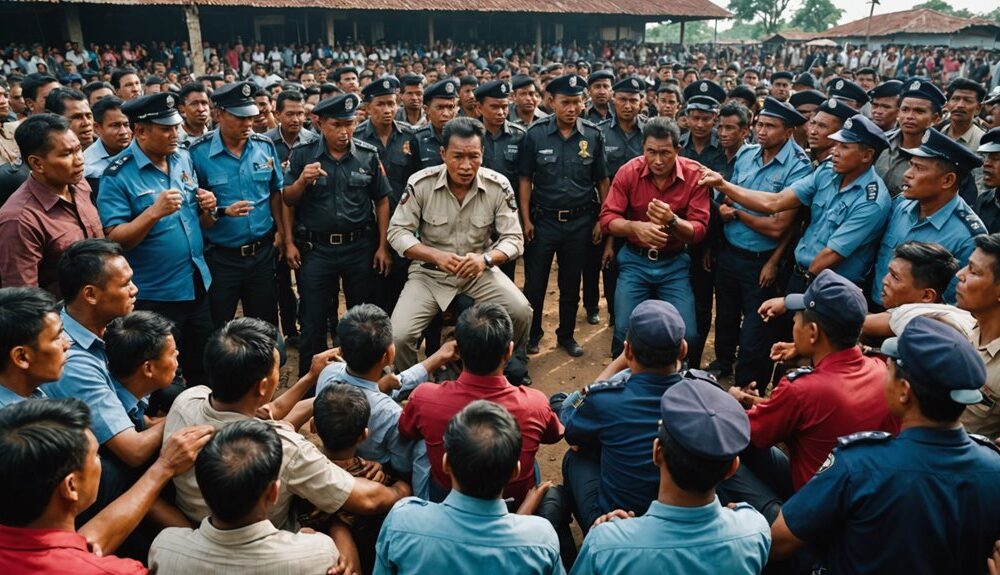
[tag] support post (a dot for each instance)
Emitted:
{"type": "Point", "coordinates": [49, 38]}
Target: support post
{"type": "Point", "coordinates": [74, 31]}
{"type": "Point", "coordinates": [194, 39]}
{"type": "Point", "coordinates": [430, 31]}
{"type": "Point", "coordinates": [330, 36]}
{"type": "Point", "coordinates": [683, 22]}
{"type": "Point", "coordinates": [538, 41]}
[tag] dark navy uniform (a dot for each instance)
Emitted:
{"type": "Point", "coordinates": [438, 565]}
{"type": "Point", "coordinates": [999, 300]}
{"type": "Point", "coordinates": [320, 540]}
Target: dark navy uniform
{"type": "Point", "coordinates": [987, 207]}
{"type": "Point", "coordinates": [500, 154]}
{"type": "Point", "coordinates": [426, 141]}
{"type": "Point", "coordinates": [564, 174]}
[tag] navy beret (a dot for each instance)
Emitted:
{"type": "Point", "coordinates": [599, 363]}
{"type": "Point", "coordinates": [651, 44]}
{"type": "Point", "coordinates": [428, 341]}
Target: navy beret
{"type": "Point", "coordinates": [657, 324]}
{"type": "Point", "coordinates": [521, 81]}
{"type": "Point", "coordinates": [599, 75]}
{"type": "Point", "coordinates": [705, 420]}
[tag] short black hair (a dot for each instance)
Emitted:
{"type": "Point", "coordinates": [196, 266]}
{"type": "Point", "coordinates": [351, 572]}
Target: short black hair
{"type": "Point", "coordinates": [188, 89]}
{"type": "Point", "coordinates": [55, 101]}
{"type": "Point", "coordinates": [33, 136]}
{"type": "Point", "coordinates": [483, 334]}
{"type": "Point", "coordinates": [365, 333]}
{"type": "Point", "coordinates": [45, 438]}
{"type": "Point", "coordinates": [286, 95]}
{"type": "Point", "coordinates": [85, 263]}
{"type": "Point", "coordinates": [135, 339]}
{"type": "Point", "coordinates": [32, 82]}
{"type": "Point", "coordinates": [236, 467]}
{"type": "Point", "coordinates": [118, 74]}
{"type": "Point", "coordinates": [94, 86]}
{"type": "Point", "coordinates": [967, 84]}
{"type": "Point", "coordinates": [341, 414]}
{"type": "Point", "coordinates": [463, 127]}
{"type": "Point", "coordinates": [841, 336]}
{"type": "Point", "coordinates": [661, 128]}
{"type": "Point", "coordinates": [483, 443]}
{"type": "Point", "coordinates": [689, 471]}
{"type": "Point", "coordinates": [934, 404]}
{"type": "Point", "coordinates": [991, 245]}
{"type": "Point", "coordinates": [867, 71]}
{"type": "Point", "coordinates": [238, 355]}
{"type": "Point", "coordinates": [931, 265]}
{"type": "Point", "coordinates": [105, 105]}
{"type": "Point", "coordinates": [22, 318]}
{"type": "Point", "coordinates": [736, 109]}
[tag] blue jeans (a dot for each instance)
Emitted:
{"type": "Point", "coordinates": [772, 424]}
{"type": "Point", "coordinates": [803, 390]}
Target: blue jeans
{"type": "Point", "coordinates": [639, 279]}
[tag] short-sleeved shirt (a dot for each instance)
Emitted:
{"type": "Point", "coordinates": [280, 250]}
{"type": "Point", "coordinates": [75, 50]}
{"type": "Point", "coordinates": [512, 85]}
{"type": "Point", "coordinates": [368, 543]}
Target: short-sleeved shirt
{"type": "Point", "coordinates": [432, 405]}
{"type": "Point", "coordinates": [619, 146]}
{"type": "Point", "coordinates": [712, 156]}
{"type": "Point", "coordinates": [427, 143]}
{"type": "Point", "coordinates": [750, 172]}
{"type": "Point", "coordinates": [396, 154]}
{"type": "Point", "coordinates": [37, 226]}
{"type": "Point", "coordinates": [924, 502]}
{"type": "Point", "coordinates": [848, 220]}
{"type": "Point", "coordinates": [26, 551]}
{"type": "Point", "coordinates": [563, 171]}
{"type": "Point", "coordinates": [284, 148]}
{"type": "Point", "coordinates": [465, 536]}
{"type": "Point", "coordinates": [85, 376]}
{"type": "Point", "coordinates": [954, 226]}
{"type": "Point", "coordinates": [634, 188]}
{"type": "Point", "coordinates": [305, 471]}
{"type": "Point", "coordinates": [809, 410]}
{"type": "Point", "coordinates": [254, 177]}
{"type": "Point", "coordinates": [988, 209]}
{"type": "Point", "coordinates": [981, 418]}
{"type": "Point", "coordinates": [8, 397]}
{"type": "Point", "coordinates": [893, 162]}
{"type": "Point", "coordinates": [670, 539]}
{"type": "Point", "coordinates": [342, 200]}
{"type": "Point", "coordinates": [621, 418]}
{"type": "Point", "coordinates": [165, 261]}
{"type": "Point", "coordinates": [501, 152]}
{"type": "Point", "coordinates": [96, 159]}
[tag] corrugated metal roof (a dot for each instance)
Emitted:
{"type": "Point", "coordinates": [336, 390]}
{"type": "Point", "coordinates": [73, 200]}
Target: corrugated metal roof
{"type": "Point", "coordinates": [697, 9]}
{"type": "Point", "coordinates": [921, 21]}
{"type": "Point", "coordinates": [791, 34]}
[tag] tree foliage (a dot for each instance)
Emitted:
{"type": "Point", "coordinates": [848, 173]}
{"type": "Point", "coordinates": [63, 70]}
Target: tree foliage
{"type": "Point", "coordinates": [695, 32]}
{"type": "Point", "coordinates": [943, 6]}
{"type": "Point", "coordinates": [768, 12]}
{"type": "Point", "coordinates": [817, 16]}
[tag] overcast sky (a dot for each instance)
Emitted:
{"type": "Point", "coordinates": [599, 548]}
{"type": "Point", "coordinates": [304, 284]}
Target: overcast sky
{"type": "Point", "coordinates": [857, 9]}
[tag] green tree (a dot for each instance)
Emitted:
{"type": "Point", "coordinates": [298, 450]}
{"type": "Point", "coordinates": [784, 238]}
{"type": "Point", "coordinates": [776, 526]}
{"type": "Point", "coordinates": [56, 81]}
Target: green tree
{"type": "Point", "coordinates": [943, 6]}
{"type": "Point", "coordinates": [994, 15]}
{"type": "Point", "coordinates": [816, 16]}
{"type": "Point", "coordinates": [695, 32]}
{"type": "Point", "coordinates": [769, 12]}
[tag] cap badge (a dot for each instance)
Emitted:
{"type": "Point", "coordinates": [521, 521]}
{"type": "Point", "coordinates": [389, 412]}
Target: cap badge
{"type": "Point", "coordinates": [449, 87]}
{"type": "Point", "coordinates": [915, 85]}
{"type": "Point", "coordinates": [703, 87]}
{"type": "Point", "coordinates": [583, 149]}
{"type": "Point", "coordinates": [572, 82]}
{"type": "Point", "coordinates": [926, 136]}
{"type": "Point", "coordinates": [503, 88]}
{"type": "Point", "coordinates": [839, 85]}
{"type": "Point", "coordinates": [349, 104]}
{"type": "Point", "coordinates": [635, 83]}
{"type": "Point", "coordinates": [246, 90]}
{"type": "Point", "coordinates": [170, 101]}
{"type": "Point", "coordinates": [848, 124]}
{"type": "Point", "coordinates": [832, 103]}
{"type": "Point", "coordinates": [385, 84]}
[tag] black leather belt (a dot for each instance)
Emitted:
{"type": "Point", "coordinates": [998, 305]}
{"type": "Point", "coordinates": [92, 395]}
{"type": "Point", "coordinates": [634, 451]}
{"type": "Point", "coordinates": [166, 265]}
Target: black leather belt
{"type": "Point", "coordinates": [803, 273]}
{"type": "Point", "coordinates": [653, 254]}
{"type": "Point", "coordinates": [564, 215]}
{"type": "Point", "coordinates": [250, 249]}
{"type": "Point", "coordinates": [749, 254]}
{"type": "Point", "coordinates": [333, 239]}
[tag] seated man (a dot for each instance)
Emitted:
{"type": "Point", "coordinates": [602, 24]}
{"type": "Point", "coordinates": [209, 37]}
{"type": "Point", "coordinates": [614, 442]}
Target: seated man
{"type": "Point", "coordinates": [32, 347]}
{"type": "Point", "coordinates": [243, 372]}
{"type": "Point", "coordinates": [238, 475]}
{"type": "Point", "coordinates": [471, 532]}
{"type": "Point", "coordinates": [839, 394]}
{"type": "Point", "coordinates": [49, 473]}
{"type": "Point", "coordinates": [686, 530]}
{"type": "Point", "coordinates": [485, 342]}
{"type": "Point", "coordinates": [444, 222]}
{"type": "Point", "coordinates": [142, 358]}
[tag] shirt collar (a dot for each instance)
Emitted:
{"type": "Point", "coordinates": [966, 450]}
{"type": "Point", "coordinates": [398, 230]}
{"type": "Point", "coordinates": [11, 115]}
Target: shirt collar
{"type": "Point", "coordinates": [645, 172]}
{"type": "Point", "coordinates": [345, 376]}
{"type": "Point", "coordinates": [134, 406]}
{"type": "Point", "coordinates": [554, 126]}
{"type": "Point", "coordinates": [490, 381]}
{"type": "Point", "coordinates": [938, 218]}
{"type": "Point", "coordinates": [8, 397]}
{"type": "Point", "coordinates": [474, 505]}
{"type": "Point", "coordinates": [234, 537]}
{"type": "Point", "coordinates": [841, 356]}
{"type": "Point", "coordinates": [26, 538]}
{"type": "Point", "coordinates": [42, 193]}
{"type": "Point", "coordinates": [442, 182]}
{"type": "Point", "coordinates": [700, 514]}
{"type": "Point", "coordinates": [217, 146]}
{"type": "Point", "coordinates": [142, 160]}
{"type": "Point", "coordinates": [991, 348]}
{"type": "Point", "coordinates": [655, 379]}
{"type": "Point", "coordinates": [78, 333]}
{"type": "Point", "coordinates": [99, 149]}
{"type": "Point", "coordinates": [956, 436]}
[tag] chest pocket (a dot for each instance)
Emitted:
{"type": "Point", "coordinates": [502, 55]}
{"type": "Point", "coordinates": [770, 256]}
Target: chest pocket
{"type": "Point", "coordinates": [580, 168]}
{"type": "Point", "coordinates": [359, 180]}
{"type": "Point", "coordinates": [262, 175]}
{"type": "Point", "coordinates": [435, 219]}
{"type": "Point", "coordinates": [776, 183]}
{"type": "Point", "coordinates": [547, 163]}
{"type": "Point", "coordinates": [481, 220]}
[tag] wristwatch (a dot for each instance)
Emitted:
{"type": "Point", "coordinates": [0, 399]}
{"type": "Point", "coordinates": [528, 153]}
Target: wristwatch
{"type": "Point", "coordinates": [488, 259]}
{"type": "Point", "coordinates": [220, 212]}
{"type": "Point", "coordinates": [673, 223]}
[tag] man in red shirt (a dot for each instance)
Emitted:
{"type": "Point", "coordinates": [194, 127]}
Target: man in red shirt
{"type": "Point", "coordinates": [656, 202]}
{"type": "Point", "coordinates": [485, 342]}
{"type": "Point", "coordinates": [840, 394]}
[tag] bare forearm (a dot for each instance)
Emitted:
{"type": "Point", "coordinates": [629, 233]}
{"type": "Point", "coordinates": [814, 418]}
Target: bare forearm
{"type": "Point", "coordinates": [524, 198]}
{"type": "Point", "coordinates": [422, 252]}
{"type": "Point", "coordinates": [136, 448]}
{"type": "Point", "coordinates": [382, 218]}
{"type": "Point", "coordinates": [292, 193]}
{"type": "Point", "coordinates": [683, 230]}
{"type": "Point", "coordinates": [877, 325]}
{"type": "Point", "coordinates": [825, 259]}
{"type": "Point", "coordinates": [131, 234]}
{"type": "Point", "coordinates": [281, 406]}
{"type": "Point", "coordinates": [766, 202]}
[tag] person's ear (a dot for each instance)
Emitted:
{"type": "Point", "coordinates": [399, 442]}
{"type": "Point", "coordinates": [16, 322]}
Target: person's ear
{"type": "Point", "coordinates": [517, 470]}
{"type": "Point", "coordinates": [627, 350]}
{"type": "Point", "coordinates": [35, 163]}
{"type": "Point", "coordinates": [509, 353]}
{"type": "Point", "coordinates": [20, 356]}
{"type": "Point", "coordinates": [657, 454]}
{"type": "Point", "coordinates": [445, 464]}
{"type": "Point", "coordinates": [732, 468]}
{"type": "Point", "coordinates": [929, 295]}
{"type": "Point", "coordinates": [441, 151]}
{"type": "Point", "coordinates": [262, 387]}
{"type": "Point", "coordinates": [272, 493]}
{"type": "Point", "coordinates": [69, 487]}
{"type": "Point", "coordinates": [364, 435]}
{"type": "Point", "coordinates": [683, 351]}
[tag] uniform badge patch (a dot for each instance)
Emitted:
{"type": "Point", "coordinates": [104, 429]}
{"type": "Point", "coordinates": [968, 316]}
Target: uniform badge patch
{"type": "Point", "coordinates": [510, 202]}
{"type": "Point", "coordinates": [826, 464]}
{"type": "Point", "coordinates": [247, 90]}
{"type": "Point", "coordinates": [583, 149]}
{"type": "Point", "coordinates": [871, 191]}
{"type": "Point", "coordinates": [406, 196]}
{"type": "Point", "coordinates": [406, 147]}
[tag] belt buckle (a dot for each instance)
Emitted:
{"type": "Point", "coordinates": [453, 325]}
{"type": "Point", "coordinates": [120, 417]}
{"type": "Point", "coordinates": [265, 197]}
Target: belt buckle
{"type": "Point", "coordinates": [339, 239]}
{"type": "Point", "coordinates": [560, 217]}
{"type": "Point", "coordinates": [653, 254]}
{"type": "Point", "coordinates": [248, 250]}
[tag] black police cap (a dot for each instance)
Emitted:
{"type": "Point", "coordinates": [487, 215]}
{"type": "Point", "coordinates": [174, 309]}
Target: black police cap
{"type": "Point", "coordinates": [990, 142]}
{"type": "Point", "coordinates": [160, 108]}
{"type": "Point", "coordinates": [630, 85]}
{"type": "Point", "coordinates": [805, 79]}
{"type": "Point", "coordinates": [889, 88]}
{"type": "Point", "coordinates": [382, 87]}
{"type": "Point", "coordinates": [858, 129]}
{"type": "Point", "coordinates": [340, 107]}
{"type": "Point", "coordinates": [411, 80]}
{"type": "Point", "coordinates": [567, 85]}
{"type": "Point", "coordinates": [837, 108]}
{"type": "Point", "coordinates": [814, 97]}
{"type": "Point", "coordinates": [237, 99]}
{"type": "Point", "coordinates": [923, 89]}
{"type": "Point", "coordinates": [447, 89]}
{"type": "Point", "coordinates": [846, 89]}
{"type": "Point", "coordinates": [783, 111]}
{"type": "Point", "coordinates": [521, 81]}
{"type": "Point", "coordinates": [782, 76]}
{"type": "Point", "coordinates": [599, 75]}
{"type": "Point", "coordinates": [934, 144]}
{"type": "Point", "coordinates": [496, 89]}
{"type": "Point", "coordinates": [704, 95]}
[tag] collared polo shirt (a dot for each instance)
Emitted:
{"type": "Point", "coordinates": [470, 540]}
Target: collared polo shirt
{"type": "Point", "coordinates": [25, 551]}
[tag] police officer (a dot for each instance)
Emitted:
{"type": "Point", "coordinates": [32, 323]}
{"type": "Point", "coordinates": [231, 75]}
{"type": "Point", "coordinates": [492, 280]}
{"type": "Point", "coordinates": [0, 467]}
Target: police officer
{"type": "Point", "coordinates": [392, 139]}
{"type": "Point", "coordinates": [885, 104]}
{"type": "Point", "coordinates": [243, 170]}
{"type": "Point", "coordinates": [599, 90]}
{"type": "Point", "coordinates": [502, 140]}
{"type": "Point", "coordinates": [893, 505]}
{"type": "Point", "coordinates": [562, 162]}
{"type": "Point", "coordinates": [525, 109]}
{"type": "Point", "coordinates": [987, 207]}
{"type": "Point", "coordinates": [829, 118]}
{"type": "Point", "coordinates": [440, 105]}
{"type": "Point", "coordinates": [847, 91]}
{"type": "Point", "coordinates": [151, 204]}
{"type": "Point", "coordinates": [748, 259]}
{"type": "Point", "coordinates": [340, 194]}
{"type": "Point", "coordinates": [444, 223]}
{"type": "Point", "coordinates": [806, 103]}
{"type": "Point", "coordinates": [781, 85]}
{"type": "Point", "coordinates": [919, 108]}
{"type": "Point", "coordinates": [411, 105]}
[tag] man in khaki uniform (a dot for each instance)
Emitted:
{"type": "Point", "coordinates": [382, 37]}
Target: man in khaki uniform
{"type": "Point", "coordinates": [444, 223]}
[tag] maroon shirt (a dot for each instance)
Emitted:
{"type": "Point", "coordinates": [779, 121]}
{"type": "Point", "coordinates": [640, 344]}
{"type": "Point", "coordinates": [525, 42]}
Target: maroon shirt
{"type": "Point", "coordinates": [37, 226]}
{"type": "Point", "coordinates": [431, 406]}
{"type": "Point", "coordinates": [25, 551]}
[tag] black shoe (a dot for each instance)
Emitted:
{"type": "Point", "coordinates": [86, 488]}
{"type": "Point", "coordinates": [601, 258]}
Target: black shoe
{"type": "Point", "coordinates": [532, 347]}
{"type": "Point", "coordinates": [526, 380]}
{"type": "Point", "coordinates": [593, 318]}
{"type": "Point", "coordinates": [719, 370]}
{"type": "Point", "coordinates": [571, 347]}
{"type": "Point", "coordinates": [611, 320]}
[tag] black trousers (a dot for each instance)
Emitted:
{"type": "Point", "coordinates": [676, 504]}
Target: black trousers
{"type": "Point", "coordinates": [192, 325]}
{"type": "Point", "coordinates": [388, 288]}
{"type": "Point", "coordinates": [593, 273]}
{"type": "Point", "coordinates": [288, 302]}
{"type": "Point", "coordinates": [764, 480]}
{"type": "Point", "coordinates": [568, 241]}
{"type": "Point", "coordinates": [248, 279]}
{"type": "Point", "coordinates": [582, 481]}
{"type": "Point", "coordinates": [703, 287]}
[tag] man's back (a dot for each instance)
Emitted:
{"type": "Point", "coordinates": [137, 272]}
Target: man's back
{"type": "Point", "coordinates": [30, 551]}
{"type": "Point", "coordinates": [465, 535]}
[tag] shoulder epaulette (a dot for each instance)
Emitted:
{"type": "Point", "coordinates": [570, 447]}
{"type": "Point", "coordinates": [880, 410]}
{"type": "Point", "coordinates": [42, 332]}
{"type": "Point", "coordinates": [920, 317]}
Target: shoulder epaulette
{"type": "Point", "coordinates": [798, 372]}
{"type": "Point", "coordinates": [701, 375]}
{"type": "Point", "coordinates": [985, 441]}
{"type": "Point", "coordinates": [602, 386]}
{"type": "Point", "coordinates": [203, 138]}
{"type": "Point", "coordinates": [605, 123]}
{"type": "Point", "coordinates": [891, 133]}
{"type": "Point", "coordinates": [537, 124]}
{"type": "Point", "coordinates": [970, 219]}
{"type": "Point", "coordinates": [871, 191]}
{"type": "Point", "coordinates": [493, 175]}
{"type": "Point", "coordinates": [261, 138]}
{"type": "Point", "coordinates": [863, 437]}
{"type": "Point", "coordinates": [365, 145]}
{"type": "Point", "coordinates": [112, 169]}
{"type": "Point", "coordinates": [517, 127]}
{"type": "Point", "coordinates": [404, 127]}
{"type": "Point", "coordinates": [590, 124]}
{"type": "Point", "coordinates": [424, 173]}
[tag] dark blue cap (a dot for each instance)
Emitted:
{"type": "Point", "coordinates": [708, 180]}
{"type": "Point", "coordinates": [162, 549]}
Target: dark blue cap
{"type": "Point", "coordinates": [340, 107]}
{"type": "Point", "coordinates": [805, 79]}
{"type": "Point", "coordinates": [237, 99]}
{"type": "Point", "coordinates": [496, 89]}
{"type": "Point", "coordinates": [705, 420]}
{"type": "Point", "coordinates": [468, 81]}
{"type": "Point", "coordinates": [567, 85]}
{"type": "Point", "coordinates": [990, 142]}
{"type": "Point", "coordinates": [846, 89]}
{"type": "Point", "coordinates": [837, 108]}
{"type": "Point", "coordinates": [599, 75]}
{"type": "Point", "coordinates": [887, 88]}
{"type": "Point", "coordinates": [784, 111]}
{"type": "Point", "coordinates": [630, 85]}
{"type": "Point", "coordinates": [444, 89]}
{"type": "Point", "coordinates": [934, 144]}
{"type": "Point", "coordinates": [341, 71]}
{"type": "Point", "coordinates": [521, 81]}
{"type": "Point", "coordinates": [925, 90]}
{"type": "Point", "coordinates": [814, 97]}
{"type": "Point", "coordinates": [381, 87]}
{"type": "Point", "coordinates": [657, 324]}
{"type": "Point", "coordinates": [858, 129]}
{"type": "Point", "coordinates": [411, 80]}
{"type": "Point", "coordinates": [936, 355]}
{"type": "Point", "coordinates": [158, 108]}
{"type": "Point", "coordinates": [704, 95]}
{"type": "Point", "coordinates": [833, 297]}
{"type": "Point", "coordinates": [782, 76]}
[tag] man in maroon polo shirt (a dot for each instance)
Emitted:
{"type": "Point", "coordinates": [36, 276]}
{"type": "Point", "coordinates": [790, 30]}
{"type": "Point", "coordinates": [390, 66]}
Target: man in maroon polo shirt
{"type": "Point", "coordinates": [485, 342]}
{"type": "Point", "coordinates": [656, 202]}
{"type": "Point", "coordinates": [52, 208]}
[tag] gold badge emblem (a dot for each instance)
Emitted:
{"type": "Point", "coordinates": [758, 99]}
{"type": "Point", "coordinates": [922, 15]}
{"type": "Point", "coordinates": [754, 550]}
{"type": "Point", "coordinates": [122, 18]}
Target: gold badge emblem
{"type": "Point", "coordinates": [406, 147]}
{"type": "Point", "coordinates": [583, 149]}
